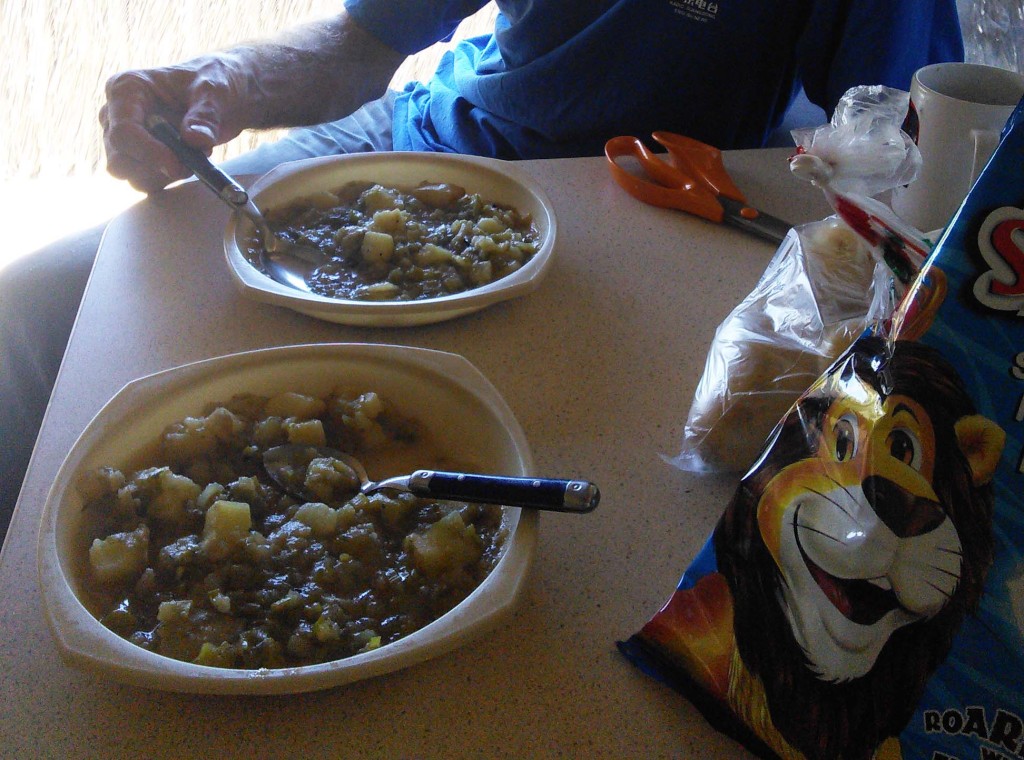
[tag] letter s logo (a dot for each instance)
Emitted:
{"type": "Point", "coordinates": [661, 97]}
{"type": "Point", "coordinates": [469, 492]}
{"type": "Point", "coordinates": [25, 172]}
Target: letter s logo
{"type": "Point", "coordinates": [1001, 244]}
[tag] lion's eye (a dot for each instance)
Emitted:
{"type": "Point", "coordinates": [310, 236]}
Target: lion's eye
{"type": "Point", "coordinates": [846, 439]}
{"type": "Point", "coordinates": [904, 446]}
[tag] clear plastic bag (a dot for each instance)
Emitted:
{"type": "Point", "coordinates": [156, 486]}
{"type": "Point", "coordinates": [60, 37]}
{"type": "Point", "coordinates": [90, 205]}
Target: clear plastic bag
{"type": "Point", "coordinates": [863, 150]}
{"type": "Point", "coordinates": [823, 288]}
{"type": "Point", "coordinates": [993, 32]}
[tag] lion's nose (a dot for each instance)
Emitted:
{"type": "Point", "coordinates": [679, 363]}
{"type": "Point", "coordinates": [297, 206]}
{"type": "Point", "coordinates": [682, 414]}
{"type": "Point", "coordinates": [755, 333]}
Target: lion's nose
{"type": "Point", "coordinates": [902, 512]}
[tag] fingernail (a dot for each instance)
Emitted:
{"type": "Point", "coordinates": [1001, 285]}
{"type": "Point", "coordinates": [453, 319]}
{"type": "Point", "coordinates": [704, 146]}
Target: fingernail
{"type": "Point", "coordinates": [202, 129]}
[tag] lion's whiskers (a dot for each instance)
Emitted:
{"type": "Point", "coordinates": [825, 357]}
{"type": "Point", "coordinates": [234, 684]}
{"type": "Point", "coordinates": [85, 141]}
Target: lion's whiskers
{"type": "Point", "coordinates": [805, 526]}
{"type": "Point", "coordinates": [946, 594]}
{"type": "Point", "coordinates": [833, 501]}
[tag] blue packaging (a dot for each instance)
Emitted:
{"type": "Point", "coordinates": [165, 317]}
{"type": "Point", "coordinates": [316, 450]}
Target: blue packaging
{"type": "Point", "coordinates": [862, 595]}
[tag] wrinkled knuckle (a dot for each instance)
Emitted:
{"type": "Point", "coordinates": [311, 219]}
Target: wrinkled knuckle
{"type": "Point", "coordinates": [125, 82]}
{"type": "Point", "coordinates": [209, 90]}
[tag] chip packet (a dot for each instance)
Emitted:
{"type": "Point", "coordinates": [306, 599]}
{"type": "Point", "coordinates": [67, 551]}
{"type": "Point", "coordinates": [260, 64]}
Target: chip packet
{"type": "Point", "coordinates": [862, 595]}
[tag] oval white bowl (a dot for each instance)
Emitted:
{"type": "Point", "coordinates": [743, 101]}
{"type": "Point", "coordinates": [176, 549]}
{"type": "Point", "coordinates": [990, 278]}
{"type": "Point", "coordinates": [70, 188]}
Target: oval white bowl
{"type": "Point", "coordinates": [496, 181]}
{"type": "Point", "coordinates": [457, 403]}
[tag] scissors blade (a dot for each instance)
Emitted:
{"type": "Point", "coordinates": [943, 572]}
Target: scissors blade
{"type": "Point", "coordinates": [749, 219]}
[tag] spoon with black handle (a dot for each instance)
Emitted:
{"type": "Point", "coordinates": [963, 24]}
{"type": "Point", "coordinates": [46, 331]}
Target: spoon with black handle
{"type": "Point", "coordinates": [287, 466]}
{"type": "Point", "coordinates": [286, 262]}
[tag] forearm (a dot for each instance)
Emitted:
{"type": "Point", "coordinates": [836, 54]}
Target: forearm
{"type": "Point", "coordinates": [317, 72]}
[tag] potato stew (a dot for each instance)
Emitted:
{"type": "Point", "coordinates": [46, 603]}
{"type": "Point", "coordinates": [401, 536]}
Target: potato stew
{"type": "Point", "coordinates": [198, 555]}
{"type": "Point", "coordinates": [391, 244]}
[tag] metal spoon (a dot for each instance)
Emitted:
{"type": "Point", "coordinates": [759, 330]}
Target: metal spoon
{"type": "Point", "coordinates": [287, 263]}
{"type": "Point", "coordinates": [287, 466]}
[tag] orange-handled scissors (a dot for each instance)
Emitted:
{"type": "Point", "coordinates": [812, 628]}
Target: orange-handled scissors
{"type": "Point", "coordinates": [696, 182]}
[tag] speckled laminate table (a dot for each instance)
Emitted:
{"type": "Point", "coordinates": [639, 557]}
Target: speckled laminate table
{"type": "Point", "coordinates": [599, 366]}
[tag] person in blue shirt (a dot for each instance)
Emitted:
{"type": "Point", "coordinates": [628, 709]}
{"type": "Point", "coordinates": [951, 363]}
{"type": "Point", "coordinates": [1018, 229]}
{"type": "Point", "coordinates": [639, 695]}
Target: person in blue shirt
{"type": "Point", "coordinates": [555, 78]}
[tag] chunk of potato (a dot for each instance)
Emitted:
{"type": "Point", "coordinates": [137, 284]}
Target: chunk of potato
{"type": "Point", "coordinates": [227, 524]}
{"type": "Point", "coordinates": [360, 415]}
{"type": "Point", "coordinates": [120, 557]}
{"type": "Point", "coordinates": [173, 495]}
{"type": "Point", "coordinates": [220, 601]}
{"type": "Point", "coordinates": [228, 520]}
{"type": "Point", "coordinates": [174, 612]}
{"type": "Point", "coordinates": [369, 404]}
{"type": "Point", "coordinates": [378, 291]}
{"type": "Point", "coordinates": [209, 495]}
{"type": "Point", "coordinates": [377, 198]}
{"type": "Point", "coordinates": [329, 479]}
{"type": "Point", "coordinates": [448, 544]}
{"type": "Point", "coordinates": [397, 509]}
{"type": "Point", "coordinates": [216, 655]}
{"type": "Point", "coordinates": [430, 255]}
{"type": "Point", "coordinates": [437, 195]}
{"type": "Point", "coordinates": [309, 432]}
{"type": "Point", "coordinates": [96, 483]}
{"type": "Point", "coordinates": [486, 245]}
{"type": "Point", "coordinates": [453, 283]}
{"type": "Point", "coordinates": [377, 248]}
{"type": "Point", "coordinates": [481, 273]}
{"type": "Point", "coordinates": [269, 432]}
{"type": "Point", "coordinates": [490, 225]}
{"type": "Point", "coordinates": [246, 488]}
{"type": "Point", "coordinates": [196, 437]}
{"type": "Point", "coordinates": [321, 518]}
{"type": "Point", "coordinates": [390, 220]}
{"type": "Point", "coordinates": [292, 404]}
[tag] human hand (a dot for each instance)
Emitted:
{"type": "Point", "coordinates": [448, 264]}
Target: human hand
{"type": "Point", "coordinates": [200, 97]}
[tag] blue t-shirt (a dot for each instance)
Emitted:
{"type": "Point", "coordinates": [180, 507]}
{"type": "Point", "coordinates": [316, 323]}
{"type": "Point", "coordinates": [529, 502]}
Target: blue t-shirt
{"type": "Point", "coordinates": [559, 77]}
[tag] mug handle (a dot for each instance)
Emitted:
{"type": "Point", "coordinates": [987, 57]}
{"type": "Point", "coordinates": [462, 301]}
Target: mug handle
{"type": "Point", "coordinates": [985, 143]}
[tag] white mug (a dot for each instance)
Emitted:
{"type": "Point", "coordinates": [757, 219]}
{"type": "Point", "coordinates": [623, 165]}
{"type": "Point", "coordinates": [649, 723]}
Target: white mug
{"type": "Point", "coordinates": [957, 111]}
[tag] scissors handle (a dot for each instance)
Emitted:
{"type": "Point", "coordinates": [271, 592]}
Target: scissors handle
{"type": "Point", "coordinates": [696, 181]}
{"type": "Point", "coordinates": [701, 159]}
{"type": "Point", "coordinates": [670, 188]}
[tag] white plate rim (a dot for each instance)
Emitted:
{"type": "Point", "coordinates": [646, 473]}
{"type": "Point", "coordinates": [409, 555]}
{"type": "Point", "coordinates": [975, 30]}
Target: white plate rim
{"type": "Point", "coordinates": [493, 177]}
{"type": "Point", "coordinates": [83, 642]}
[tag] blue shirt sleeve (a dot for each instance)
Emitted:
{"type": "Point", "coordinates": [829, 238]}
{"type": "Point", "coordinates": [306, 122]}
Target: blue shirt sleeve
{"type": "Point", "coordinates": [853, 42]}
{"type": "Point", "coordinates": [409, 26]}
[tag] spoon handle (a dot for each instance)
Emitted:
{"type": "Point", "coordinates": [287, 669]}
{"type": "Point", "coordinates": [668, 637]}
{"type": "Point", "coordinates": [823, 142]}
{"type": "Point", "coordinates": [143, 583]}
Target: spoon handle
{"type": "Point", "coordinates": [579, 496]}
{"type": "Point", "coordinates": [226, 188]}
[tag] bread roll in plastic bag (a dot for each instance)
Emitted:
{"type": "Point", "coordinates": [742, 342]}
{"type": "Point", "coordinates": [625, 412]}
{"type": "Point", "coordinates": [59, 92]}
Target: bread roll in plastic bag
{"type": "Point", "coordinates": [823, 288]}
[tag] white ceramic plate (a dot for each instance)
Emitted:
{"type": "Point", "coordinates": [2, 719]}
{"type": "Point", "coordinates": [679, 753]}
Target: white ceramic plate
{"type": "Point", "coordinates": [443, 390]}
{"type": "Point", "coordinates": [496, 181]}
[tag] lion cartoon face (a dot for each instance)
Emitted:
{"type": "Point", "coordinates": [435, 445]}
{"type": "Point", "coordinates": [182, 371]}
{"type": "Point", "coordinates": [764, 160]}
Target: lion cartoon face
{"type": "Point", "coordinates": [863, 543]}
{"type": "Point", "coordinates": [857, 543]}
